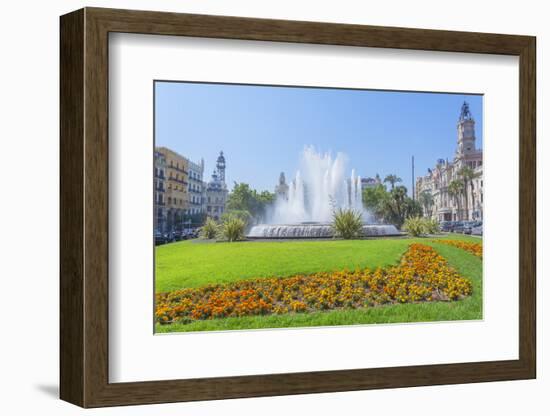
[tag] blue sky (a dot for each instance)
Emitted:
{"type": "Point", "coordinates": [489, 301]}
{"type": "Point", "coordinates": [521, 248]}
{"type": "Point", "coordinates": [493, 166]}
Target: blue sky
{"type": "Point", "coordinates": [263, 130]}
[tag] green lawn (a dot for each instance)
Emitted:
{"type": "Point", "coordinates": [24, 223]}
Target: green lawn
{"type": "Point", "coordinates": [195, 263]}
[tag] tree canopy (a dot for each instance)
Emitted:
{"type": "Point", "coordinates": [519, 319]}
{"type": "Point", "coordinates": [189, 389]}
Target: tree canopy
{"type": "Point", "coordinates": [392, 180]}
{"type": "Point", "coordinates": [245, 199]}
{"type": "Point", "coordinates": [393, 206]}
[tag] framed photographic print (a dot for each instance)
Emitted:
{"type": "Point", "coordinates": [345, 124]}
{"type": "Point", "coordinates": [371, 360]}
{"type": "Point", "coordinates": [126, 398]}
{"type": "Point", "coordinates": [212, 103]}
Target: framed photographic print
{"type": "Point", "coordinates": [255, 207]}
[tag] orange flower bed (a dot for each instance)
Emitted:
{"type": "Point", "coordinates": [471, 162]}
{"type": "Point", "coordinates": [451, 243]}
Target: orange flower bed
{"type": "Point", "coordinates": [422, 276]}
{"type": "Point", "coordinates": [474, 248]}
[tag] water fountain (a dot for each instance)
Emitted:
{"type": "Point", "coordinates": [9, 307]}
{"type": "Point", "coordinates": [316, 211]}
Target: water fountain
{"type": "Point", "coordinates": [319, 187]}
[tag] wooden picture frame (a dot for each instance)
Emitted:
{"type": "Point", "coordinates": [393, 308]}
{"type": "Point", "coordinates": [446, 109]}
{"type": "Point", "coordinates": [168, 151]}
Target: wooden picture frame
{"type": "Point", "coordinates": [84, 207]}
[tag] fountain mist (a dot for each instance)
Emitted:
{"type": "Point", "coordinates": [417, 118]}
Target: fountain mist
{"type": "Point", "coordinates": [319, 187]}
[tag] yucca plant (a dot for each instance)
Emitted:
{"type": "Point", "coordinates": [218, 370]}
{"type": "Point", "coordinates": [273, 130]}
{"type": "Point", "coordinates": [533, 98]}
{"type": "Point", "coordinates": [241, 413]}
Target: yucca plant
{"type": "Point", "coordinates": [432, 226]}
{"type": "Point", "coordinates": [347, 223]}
{"type": "Point", "coordinates": [210, 229]}
{"type": "Point", "coordinates": [232, 229]}
{"type": "Point", "coordinates": [415, 226]}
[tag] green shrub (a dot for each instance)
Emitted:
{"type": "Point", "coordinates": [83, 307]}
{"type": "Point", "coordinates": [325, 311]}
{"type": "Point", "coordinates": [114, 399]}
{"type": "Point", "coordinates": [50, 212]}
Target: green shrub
{"type": "Point", "coordinates": [418, 226]}
{"type": "Point", "coordinates": [415, 226]}
{"type": "Point", "coordinates": [232, 229]}
{"type": "Point", "coordinates": [210, 229]}
{"type": "Point", "coordinates": [347, 223]}
{"type": "Point", "coordinates": [237, 213]}
{"type": "Point", "coordinates": [432, 226]}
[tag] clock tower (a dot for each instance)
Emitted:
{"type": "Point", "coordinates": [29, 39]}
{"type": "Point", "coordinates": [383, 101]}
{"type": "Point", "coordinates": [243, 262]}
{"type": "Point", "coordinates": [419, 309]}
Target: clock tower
{"type": "Point", "coordinates": [466, 140]}
{"type": "Point", "coordinates": [220, 165]}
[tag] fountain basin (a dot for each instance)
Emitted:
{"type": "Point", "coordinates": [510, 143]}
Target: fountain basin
{"type": "Point", "coordinates": [314, 230]}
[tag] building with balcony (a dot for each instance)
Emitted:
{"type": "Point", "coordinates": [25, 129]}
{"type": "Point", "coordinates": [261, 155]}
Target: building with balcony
{"type": "Point", "coordinates": [159, 184]}
{"type": "Point", "coordinates": [177, 185]}
{"type": "Point", "coordinates": [439, 192]}
{"type": "Point", "coordinates": [196, 189]}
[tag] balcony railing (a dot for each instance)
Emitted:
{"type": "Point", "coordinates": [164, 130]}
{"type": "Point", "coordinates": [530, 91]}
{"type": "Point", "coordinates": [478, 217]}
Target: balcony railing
{"type": "Point", "coordinates": [179, 169]}
{"type": "Point", "coordinates": [178, 180]}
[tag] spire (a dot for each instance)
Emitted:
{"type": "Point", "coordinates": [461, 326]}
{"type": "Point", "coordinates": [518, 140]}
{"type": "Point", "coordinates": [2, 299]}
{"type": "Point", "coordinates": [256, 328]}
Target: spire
{"type": "Point", "coordinates": [220, 165]}
{"type": "Point", "coordinates": [465, 113]}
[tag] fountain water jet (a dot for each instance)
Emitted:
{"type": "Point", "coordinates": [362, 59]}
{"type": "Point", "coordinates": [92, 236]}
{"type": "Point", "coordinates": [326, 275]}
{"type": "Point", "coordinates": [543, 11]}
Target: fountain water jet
{"type": "Point", "coordinates": [319, 187]}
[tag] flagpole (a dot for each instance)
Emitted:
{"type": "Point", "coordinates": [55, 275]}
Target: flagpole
{"type": "Point", "coordinates": [412, 180]}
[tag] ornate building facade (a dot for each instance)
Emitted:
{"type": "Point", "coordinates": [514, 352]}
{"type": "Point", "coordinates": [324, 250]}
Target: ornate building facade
{"type": "Point", "coordinates": [281, 189]}
{"type": "Point", "coordinates": [216, 190]}
{"type": "Point", "coordinates": [180, 191]}
{"type": "Point", "coordinates": [453, 191]}
{"type": "Point", "coordinates": [177, 181]}
{"type": "Point", "coordinates": [196, 189]}
{"type": "Point", "coordinates": [370, 182]}
{"type": "Point", "coordinates": [160, 191]}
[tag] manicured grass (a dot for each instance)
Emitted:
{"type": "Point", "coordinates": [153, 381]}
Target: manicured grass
{"type": "Point", "coordinates": [192, 264]}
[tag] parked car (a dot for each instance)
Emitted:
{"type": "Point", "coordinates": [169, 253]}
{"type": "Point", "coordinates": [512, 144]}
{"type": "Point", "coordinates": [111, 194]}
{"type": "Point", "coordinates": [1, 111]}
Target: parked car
{"type": "Point", "coordinates": [191, 233]}
{"type": "Point", "coordinates": [160, 238]}
{"type": "Point", "coordinates": [169, 236]}
{"type": "Point", "coordinates": [446, 226]}
{"type": "Point", "coordinates": [458, 227]}
{"type": "Point", "coordinates": [478, 230]}
{"type": "Point", "coordinates": [468, 226]}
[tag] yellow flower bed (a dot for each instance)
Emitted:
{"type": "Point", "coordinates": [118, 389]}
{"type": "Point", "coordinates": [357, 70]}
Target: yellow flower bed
{"type": "Point", "coordinates": [422, 276]}
{"type": "Point", "coordinates": [474, 248]}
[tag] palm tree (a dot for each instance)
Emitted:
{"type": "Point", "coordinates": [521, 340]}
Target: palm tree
{"type": "Point", "coordinates": [427, 200]}
{"type": "Point", "coordinates": [467, 175]}
{"type": "Point", "coordinates": [393, 206]}
{"type": "Point", "coordinates": [392, 179]}
{"type": "Point", "coordinates": [455, 190]}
